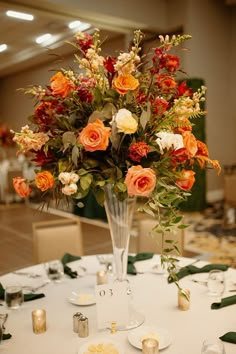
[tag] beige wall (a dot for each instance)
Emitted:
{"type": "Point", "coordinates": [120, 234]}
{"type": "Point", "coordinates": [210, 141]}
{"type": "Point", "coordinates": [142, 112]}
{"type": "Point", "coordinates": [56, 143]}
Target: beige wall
{"type": "Point", "coordinates": [211, 57]}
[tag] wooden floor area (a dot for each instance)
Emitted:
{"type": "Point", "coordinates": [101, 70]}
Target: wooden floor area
{"type": "Point", "coordinates": [16, 245]}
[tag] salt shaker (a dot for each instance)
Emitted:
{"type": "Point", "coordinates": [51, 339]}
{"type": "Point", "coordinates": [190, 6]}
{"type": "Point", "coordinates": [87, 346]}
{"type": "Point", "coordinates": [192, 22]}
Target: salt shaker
{"type": "Point", "coordinates": [83, 329]}
{"type": "Point", "coordinates": [76, 318]}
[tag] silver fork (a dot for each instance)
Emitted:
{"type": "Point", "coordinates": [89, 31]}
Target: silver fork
{"type": "Point", "coordinates": [36, 288]}
{"type": "Point", "coordinates": [28, 274]}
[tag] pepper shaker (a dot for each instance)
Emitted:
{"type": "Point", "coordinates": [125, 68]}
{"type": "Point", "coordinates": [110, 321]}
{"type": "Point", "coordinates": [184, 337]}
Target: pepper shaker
{"type": "Point", "coordinates": [83, 329]}
{"type": "Point", "coordinates": [76, 318]}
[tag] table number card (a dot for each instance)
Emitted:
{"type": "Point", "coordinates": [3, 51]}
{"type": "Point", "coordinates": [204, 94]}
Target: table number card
{"type": "Point", "coordinates": [112, 304]}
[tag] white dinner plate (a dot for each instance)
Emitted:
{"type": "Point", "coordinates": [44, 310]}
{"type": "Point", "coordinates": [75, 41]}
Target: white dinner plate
{"type": "Point", "coordinates": [200, 278]}
{"type": "Point", "coordinates": [82, 297]}
{"type": "Point", "coordinates": [114, 347]}
{"type": "Point", "coordinates": [136, 336]}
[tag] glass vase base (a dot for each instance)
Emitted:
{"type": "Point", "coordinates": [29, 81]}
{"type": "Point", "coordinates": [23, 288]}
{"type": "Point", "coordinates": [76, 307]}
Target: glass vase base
{"type": "Point", "coordinates": [136, 319]}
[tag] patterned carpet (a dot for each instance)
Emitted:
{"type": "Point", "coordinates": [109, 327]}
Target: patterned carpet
{"type": "Point", "coordinates": [208, 237]}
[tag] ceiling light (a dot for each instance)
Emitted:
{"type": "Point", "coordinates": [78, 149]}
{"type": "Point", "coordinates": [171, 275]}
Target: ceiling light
{"type": "Point", "coordinates": [3, 47]}
{"type": "Point", "coordinates": [82, 26]}
{"type": "Point", "coordinates": [20, 15]}
{"type": "Point", "coordinates": [43, 38]}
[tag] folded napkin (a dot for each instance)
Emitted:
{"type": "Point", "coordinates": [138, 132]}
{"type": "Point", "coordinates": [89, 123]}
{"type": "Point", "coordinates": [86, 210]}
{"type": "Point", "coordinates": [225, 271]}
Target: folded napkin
{"type": "Point", "coordinates": [66, 259]}
{"type": "Point", "coordinates": [229, 337]}
{"type": "Point", "coordinates": [139, 257]}
{"type": "Point", "coordinates": [27, 297]}
{"type": "Point", "coordinates": [6, 336]}
{"type": "Point", "coordinates": [227, 301]}
{"type": "Point", "coordinates": [191, 269]}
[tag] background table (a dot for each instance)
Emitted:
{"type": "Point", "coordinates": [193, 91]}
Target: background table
{"type": "Point", "coordinates": [152, 295]}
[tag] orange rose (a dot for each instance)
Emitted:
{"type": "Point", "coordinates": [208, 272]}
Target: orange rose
{"type": "Point", "coordinates": [190, 143]}
{"type": "Point", "coordinates": [124, 83]}
{"type": "Point", "coordinates": [140, 181]}
{"type": "Point", "coordinates": [95, 136]}
{"type": "Point", "coordinates": [60, 85]}
{"type": "Point", "coordinates": [21, 187]}
{"type": "Point", "coordinates": [187, 180]}
{"type": "Point", "coordinates": [44, 180]}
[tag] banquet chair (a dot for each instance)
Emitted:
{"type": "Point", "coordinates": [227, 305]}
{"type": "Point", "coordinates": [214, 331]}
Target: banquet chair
{"type": "Point", "coordinates": [52, 239]}
{"type": "Point", "coordinates": [156, 244]}
{"type": "Point", "coordinates": [229, 217]}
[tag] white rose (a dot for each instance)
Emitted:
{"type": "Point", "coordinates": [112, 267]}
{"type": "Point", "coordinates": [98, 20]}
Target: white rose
{"type": "Point", "coordinates": [166, 140]}
{"type": "Point", "coordinates": [64, 177]}
{"type": "Point", "coordinates": [73, 178]}
{"type": "Point", "coordinates": [125, 122]}
{"type": "Point", "coordinates": [69, 189]}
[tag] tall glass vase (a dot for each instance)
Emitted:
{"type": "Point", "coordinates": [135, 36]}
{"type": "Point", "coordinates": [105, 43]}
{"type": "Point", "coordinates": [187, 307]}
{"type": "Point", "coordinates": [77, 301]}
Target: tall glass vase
{"type": "Point", "coordinates": [120, 215]}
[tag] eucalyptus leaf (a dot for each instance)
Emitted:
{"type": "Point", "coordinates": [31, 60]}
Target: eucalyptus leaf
{"type": "Point", "coordinates": [85, 181]}
{"type": "Point", "coordinates": [68, 138]}
{"type": "Point", "coordinates": [75, 155]}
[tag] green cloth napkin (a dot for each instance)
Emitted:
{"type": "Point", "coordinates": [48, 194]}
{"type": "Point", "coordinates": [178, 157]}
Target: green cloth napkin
{"type": "Point", "coordinates": [139, 257]}
{"type": "Point", "coordinates": [66, 259]}
{"type": "Point", "coordinates": [191, 269]}
{"type": "Point", "coordinates": [227, 301]}
{"type": "Point", "coordinates": [6, 336]}
{"type": "Point", "coordinates": [229, 337]}
{"type": "Point", "coordinates": [27, 297]}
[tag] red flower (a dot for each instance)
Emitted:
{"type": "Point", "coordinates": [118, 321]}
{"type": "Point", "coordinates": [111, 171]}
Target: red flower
{"type": "Point", "coordinates": [109, 63]}
{"type": "Point", "coordinates": [138, 150]}
{"type": "Point", "coordinates": [171, 63]}
{"type": "Point", "coordinates": [166, 83]}
{"type": "Point", "coordinates": [41, 158]}
{"type": "Point", "coordinates": [86, 42]}
{"type": "Point", "coordinates": [179, 156]}
{"type": "Point", "coordinates": [159, 105]}
{"type": "Point", "coordinates": [183, 89]}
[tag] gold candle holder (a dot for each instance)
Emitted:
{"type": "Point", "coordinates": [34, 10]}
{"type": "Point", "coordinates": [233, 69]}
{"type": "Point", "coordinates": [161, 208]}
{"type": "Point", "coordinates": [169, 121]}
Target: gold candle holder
{"type": "Point", "coordinates": [184, 299]}
{"type": "Point", "coordinates": [39, 321]}
{"type": "Point", "coordinates": [101, 277]}
{"type": "Point", "coordinates": [150, 346]}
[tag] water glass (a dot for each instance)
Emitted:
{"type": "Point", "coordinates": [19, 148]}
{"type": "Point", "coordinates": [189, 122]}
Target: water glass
{"type": "Point", "coordinates": [54, 270]}
{"type": "Point", "coordinates": [14, 296]}
{"type": "Point", "coordinates": [213, 347]}
{"type": "Point", "coordinates": [216, 283]}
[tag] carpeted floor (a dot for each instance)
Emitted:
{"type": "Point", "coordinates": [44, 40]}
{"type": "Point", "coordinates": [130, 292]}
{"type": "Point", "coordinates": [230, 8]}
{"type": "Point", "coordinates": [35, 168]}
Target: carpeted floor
{"type": "Point", "coordinates": [208, 236]}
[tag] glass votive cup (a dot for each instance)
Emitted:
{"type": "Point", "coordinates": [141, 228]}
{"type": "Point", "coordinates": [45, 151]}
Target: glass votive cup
{"type": "Point", "coordinates": [150, 346]}
{"type": "Point", "coordinates": [54, 270]}
{"type": "Point", "coordinates": [101, 277]}
{"type": "Point", "coordinates": [14, 296]}
{"type": "Point", "coordinates": [39, 321]}
{"type": "Point", "coordinates": [213, 346]}
{"type": "Point", "coordinates": [183, 299]}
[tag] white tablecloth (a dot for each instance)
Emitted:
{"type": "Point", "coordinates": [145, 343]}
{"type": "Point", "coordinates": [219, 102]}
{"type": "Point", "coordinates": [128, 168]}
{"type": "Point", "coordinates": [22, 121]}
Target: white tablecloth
{"type": "Point", "coordinates": [153, 296]}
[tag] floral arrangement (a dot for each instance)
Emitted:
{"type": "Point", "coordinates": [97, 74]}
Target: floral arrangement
{"type": "Point", "coordinates": [6, 136]}
{"type": "Point", "coordinates": [123, 120]}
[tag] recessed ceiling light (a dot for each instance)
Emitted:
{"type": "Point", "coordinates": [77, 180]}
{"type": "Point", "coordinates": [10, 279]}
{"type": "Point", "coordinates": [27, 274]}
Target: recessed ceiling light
{"type": "Point", "coordinates": [20, 15]}
{"type": "Point", "coordinates": [82, 26]}
{"type": "Point", "coordinates": [45, 37]}
{"type": "Point", "coordinates": [3, 47]}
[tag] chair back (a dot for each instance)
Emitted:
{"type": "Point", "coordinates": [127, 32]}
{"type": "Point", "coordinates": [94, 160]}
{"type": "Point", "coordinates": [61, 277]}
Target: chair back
{"type": "Point", "coordinates": [150, 241]}
{"type": "Point", "coordinates": [52, 239]}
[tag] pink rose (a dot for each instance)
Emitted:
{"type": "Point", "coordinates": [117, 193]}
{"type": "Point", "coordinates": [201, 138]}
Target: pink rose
{"type": "Point", "coordinates": [140, 181]}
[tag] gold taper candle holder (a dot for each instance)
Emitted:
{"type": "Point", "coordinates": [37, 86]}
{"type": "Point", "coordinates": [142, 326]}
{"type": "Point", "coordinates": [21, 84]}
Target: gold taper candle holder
{"type": "Point", "coordinates": [39, 321]}
{"type": "Point", "coordinates": [184, 299]}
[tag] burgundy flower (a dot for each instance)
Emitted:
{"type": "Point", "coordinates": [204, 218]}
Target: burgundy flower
{"type": "Point", "coordinates": [138, 150]}
{"type": "Point", "coordinates": [179, 156]}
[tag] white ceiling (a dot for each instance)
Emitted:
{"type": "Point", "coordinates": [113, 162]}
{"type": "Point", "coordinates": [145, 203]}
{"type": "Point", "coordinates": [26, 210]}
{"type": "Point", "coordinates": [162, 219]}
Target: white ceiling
{"type": "Point", "coordinates": [23, 52]}
{"type": "Point", "coordinates": [20, 35]}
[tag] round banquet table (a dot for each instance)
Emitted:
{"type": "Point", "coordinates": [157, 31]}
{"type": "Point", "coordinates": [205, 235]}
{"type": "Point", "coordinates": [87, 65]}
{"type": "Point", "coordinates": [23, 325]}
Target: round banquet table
{"type": "Point", "coordinates": [152, 296]}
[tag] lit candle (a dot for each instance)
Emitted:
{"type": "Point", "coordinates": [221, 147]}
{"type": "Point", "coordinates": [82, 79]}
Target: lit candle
{"type": "Point", "coordinates": [101, 277]}
{"type": "Point", "coordinates": [184, 299]}
{"type": "Point", "coordinates": [150, 346]}
{"type": "Point", "coordinates": [39, 321]}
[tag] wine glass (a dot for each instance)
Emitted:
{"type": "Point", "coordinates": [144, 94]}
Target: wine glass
{"type": "Point", "coordinates": [216, 283]}
{"type": "Point", "coordinates": [213, 347]}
